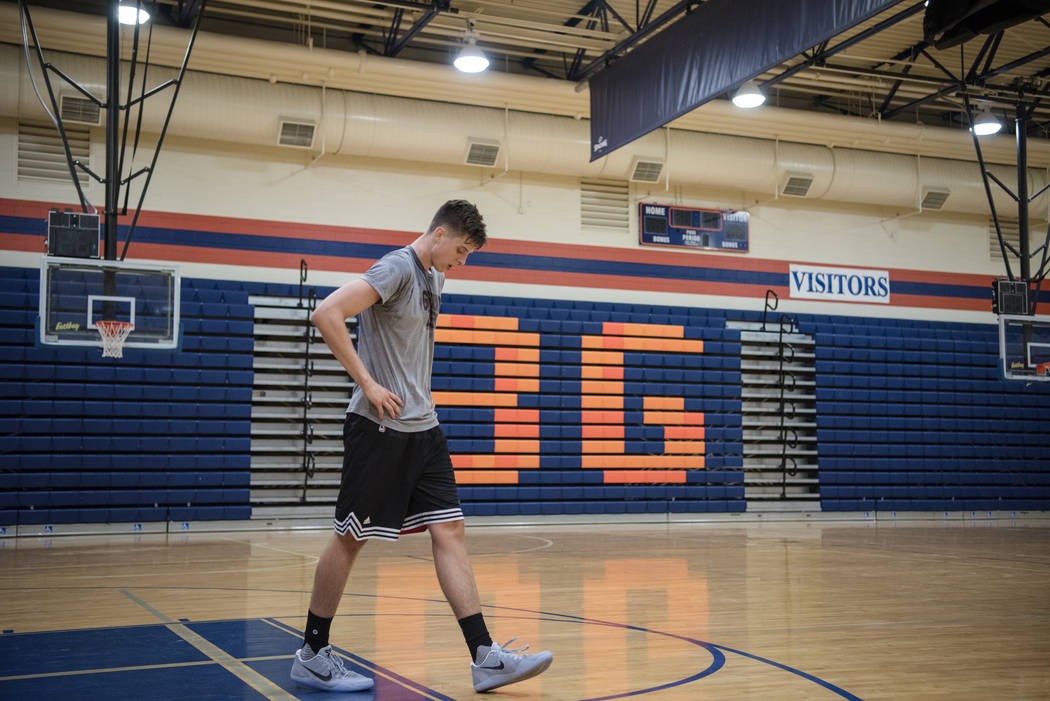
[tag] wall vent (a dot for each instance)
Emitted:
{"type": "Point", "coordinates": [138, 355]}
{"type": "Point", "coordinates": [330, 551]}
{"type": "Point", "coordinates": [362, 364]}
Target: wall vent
{"type": "Point", "coordinates": [296, 134]}
{"type": "Point", "coordinates": [797, 184]}
{"type": "Point", "coordinates": [605, 204]}
{"type": "Point", "coordinates": [41, 156]}
{"type": "Point", "coordinates": [79, 109]}
{"type": "Point", "coordinates": [646, 171]}
{"type": "Point", "coordinates": [482, 153]}
{"type": "Point", "coordinates": [934, 198]}
{"type": "Point", "coordinates": [1011, 235]}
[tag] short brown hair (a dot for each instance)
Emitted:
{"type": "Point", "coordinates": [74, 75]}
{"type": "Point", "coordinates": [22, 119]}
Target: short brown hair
{"type": "Point", "coordinates": [463, 218]}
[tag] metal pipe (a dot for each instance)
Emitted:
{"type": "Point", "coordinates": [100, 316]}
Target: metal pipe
{"type": "Point", "coordinates": [56, 114]}
{"type": "Point", "coordinates": [164, 128]}
{"type": "Point", "coordinates": [112, 127]}
{"type": "Point", "coordinates": [987, 188]}
{"type": "Point", "coordinates": [1021, 123]}
{"type": "Point", "coordinates": [131, 89]}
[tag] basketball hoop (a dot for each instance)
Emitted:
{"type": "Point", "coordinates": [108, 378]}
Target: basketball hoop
{"type": "Point", "coordinates": [1042, 369]}
{"type": "Point", "coordinates": [113, 335]}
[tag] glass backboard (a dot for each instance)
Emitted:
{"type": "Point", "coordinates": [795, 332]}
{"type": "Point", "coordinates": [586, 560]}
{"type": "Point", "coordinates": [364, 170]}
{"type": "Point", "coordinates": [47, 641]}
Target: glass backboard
{"type": "Point", "coordinates": [77, 292]}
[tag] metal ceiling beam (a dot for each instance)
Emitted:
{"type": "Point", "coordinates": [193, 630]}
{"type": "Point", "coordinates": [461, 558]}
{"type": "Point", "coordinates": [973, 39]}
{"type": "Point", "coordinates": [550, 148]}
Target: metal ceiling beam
{"type": "Point", "coordinates": [951, 83]}
{"type": "Point", "coordinates": [646, 14]}
{"type": "Point", "coordinates": [893, 91]}
{"type": "Point", "coordinates": [843, 45]}
{"type": "Point", "coordinates": [391, 35]}
{"type": "Point", "coordinates": [612, 11]}
{"type": "Point", "coordinates": [591, 11]}
{"type": "Point", "coordinates": [186, 12]}
{"type": "Point", "coordinates": [394, 45]}
{"type": "Point", "coordinates": [935, 62]}
{"type": "Point", "coordinates": [923, 100]}
{"type": "Point", "coordinates": [1014, 64]}
{"type": "Point", "coordinates": [911, 53]}
{"type": "Point", "coordinates": [893, 75]}
{"type": "Point", "coordinates": [635, 38]}
{"type": "Point", "coordinates": [992, 51]}
{"type": "Point", "coordinates": [970, 74]}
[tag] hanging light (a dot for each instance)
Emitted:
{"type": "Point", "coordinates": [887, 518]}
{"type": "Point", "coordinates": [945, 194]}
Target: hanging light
{"type": "Point", "coordinates": [470, 58]}
{"type": "Point", "coordinates": [748, 96]}
{"type": "Point", "coordinates": [131, 13]}
{"type": "Point", "coordinates": [986, 123]}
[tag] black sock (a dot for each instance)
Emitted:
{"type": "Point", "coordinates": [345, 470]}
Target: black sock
{"type": "Point", "coordinates": [316, 635]}
{"type": "Point", "coordinates": [475, 633]}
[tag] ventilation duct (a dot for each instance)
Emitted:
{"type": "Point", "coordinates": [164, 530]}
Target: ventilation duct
{"type": "Point", "coordinates": [646, 171]}
{"type": "Point", "coordinates": [79, 109]}
{"type": "Point", "coordinates": [604, 204]}
{"type": "Point", "coordinates": [482, 153]}
{"type": "Point", "coordinates": [797, 185]}
{"type": "Point", "coordinates": [243, 111]}
{"type": "Point", "coordinates": [41, 155]}
{"type": "Point", "coordinates": [296, 134]}
{"type": "Point", "coordinates": [933, 198]}
{"type": "Point", "coordinates": [1011, 231]}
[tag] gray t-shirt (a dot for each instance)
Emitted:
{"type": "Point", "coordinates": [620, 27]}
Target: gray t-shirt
{"type": "Point", "coordinates": [395, 338]}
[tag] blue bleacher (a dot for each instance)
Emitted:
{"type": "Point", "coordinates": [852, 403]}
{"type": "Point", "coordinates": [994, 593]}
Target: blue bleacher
{"type": "Point", "coordinates": [96, 440]}
{"type": "Point", "coordinates": [913, 415]}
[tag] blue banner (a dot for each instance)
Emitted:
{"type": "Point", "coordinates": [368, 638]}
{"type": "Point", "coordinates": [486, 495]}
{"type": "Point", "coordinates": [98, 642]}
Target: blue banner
{"type": "Point", "coordinates": [708, 52]}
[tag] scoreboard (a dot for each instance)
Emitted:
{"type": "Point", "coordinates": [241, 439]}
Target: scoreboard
{"type": "Point", "coordinates": [692, 227]}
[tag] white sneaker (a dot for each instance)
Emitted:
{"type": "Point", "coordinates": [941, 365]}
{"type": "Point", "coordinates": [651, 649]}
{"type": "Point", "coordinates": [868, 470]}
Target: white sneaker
{"type": "Point", "coordinates": [325, 671]}
{"type": "Point", "coordinates": [496, 666]}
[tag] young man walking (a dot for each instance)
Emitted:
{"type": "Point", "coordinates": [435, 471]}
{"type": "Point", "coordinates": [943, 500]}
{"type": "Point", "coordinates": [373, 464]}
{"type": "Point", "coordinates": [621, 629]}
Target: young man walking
{"type": "Point", "coordinates": [397, 473]}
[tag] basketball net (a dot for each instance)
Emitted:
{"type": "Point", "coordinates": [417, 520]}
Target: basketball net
{"type": "Point", "coordinates": [113, 334]}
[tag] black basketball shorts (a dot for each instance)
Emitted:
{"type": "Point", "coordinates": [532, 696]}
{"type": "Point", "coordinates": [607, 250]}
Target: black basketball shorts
{"type": "Point", "coordinates": [393, 482]}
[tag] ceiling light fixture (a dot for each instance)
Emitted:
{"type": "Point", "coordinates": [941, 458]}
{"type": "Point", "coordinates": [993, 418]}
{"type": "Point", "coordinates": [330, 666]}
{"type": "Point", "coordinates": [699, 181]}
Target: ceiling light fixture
{"type": "Point", "coordinates": [748, 96]}
{"type": "Point", "coordinates": [130, 13]}
{"type": "Point", "coordinates": [470, 58]}
{"type": "Point", "coordinates": [986, 123]}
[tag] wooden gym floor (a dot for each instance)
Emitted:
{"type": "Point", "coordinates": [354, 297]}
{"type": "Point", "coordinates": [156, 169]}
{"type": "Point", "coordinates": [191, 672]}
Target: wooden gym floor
{"type": "Point", "coordinates": [785, 610]}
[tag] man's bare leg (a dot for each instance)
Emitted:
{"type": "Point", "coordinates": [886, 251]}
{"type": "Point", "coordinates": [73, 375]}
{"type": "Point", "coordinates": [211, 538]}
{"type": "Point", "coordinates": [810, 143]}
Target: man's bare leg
{"type": "Point", "coordinates": [449, 545]}
{"type": "Point", "coordinates": [315, 664]}
{"type": "Point", "coordinates": [332, 571]}
{"type": "Point", "coordinates": [492, 666]}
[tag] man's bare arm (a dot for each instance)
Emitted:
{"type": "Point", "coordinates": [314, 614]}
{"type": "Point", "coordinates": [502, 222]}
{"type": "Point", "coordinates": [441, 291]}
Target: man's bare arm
{"type": "Point", "coordinates": [330, 319]}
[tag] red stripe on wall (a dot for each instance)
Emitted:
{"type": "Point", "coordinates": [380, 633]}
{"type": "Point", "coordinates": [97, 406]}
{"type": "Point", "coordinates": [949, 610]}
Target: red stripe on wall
{"type": "Point", "coordinates": [615, 282]}
{"type": "Point", "coordinates": [228, 225]}
{"type": "Point", "coordinates": [235, 225]}
{"type": "Point", "coordinates": [22, 242]}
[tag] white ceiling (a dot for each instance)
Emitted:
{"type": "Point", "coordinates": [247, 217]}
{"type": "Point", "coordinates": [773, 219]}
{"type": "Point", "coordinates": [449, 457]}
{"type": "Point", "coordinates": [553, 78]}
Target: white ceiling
{"type": "Point", "coordinates": [534, 43]}
{"type": "Point", "coordinates": [545, 37]}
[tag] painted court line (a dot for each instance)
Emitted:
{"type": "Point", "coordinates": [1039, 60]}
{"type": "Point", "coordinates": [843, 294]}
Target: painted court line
{"type": "Point", "coordinates": [105, 670]}
{"type": "Point", "coordinates": [240, 670]}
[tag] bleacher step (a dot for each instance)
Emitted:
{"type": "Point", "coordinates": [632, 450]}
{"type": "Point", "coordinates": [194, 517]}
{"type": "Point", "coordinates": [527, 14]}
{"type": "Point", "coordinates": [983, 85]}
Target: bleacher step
{"type": "Point", "coordinates": [296, 414]}
{"type": "Point", "coordinates": [271, 480]}
{"type": "Point", "coordinates": [295, 364]}
{"type": "Point", "coordinates": [295, 397]}
{"type": "Point", "coordinates": [773, 422]}
{"type": "Point", "coordinates": [773, 394]}
{"type": "Point", "coordinates": [777, 505]}
{"type": "Point", "coordinates": [294, 494]}
{"type": "Point", "coordinates": [319, 513]}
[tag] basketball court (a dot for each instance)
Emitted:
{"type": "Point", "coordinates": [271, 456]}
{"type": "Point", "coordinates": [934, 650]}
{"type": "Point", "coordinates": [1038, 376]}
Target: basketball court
{"type": "Point", "coordinates": [679, 488]}
{"type": "Point", "coordinates": [785, 610]}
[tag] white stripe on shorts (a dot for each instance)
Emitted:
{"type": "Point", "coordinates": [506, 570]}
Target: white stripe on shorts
{"type": "Point", "coordinates": [428, 517]}
{"type": "Point", "coordinates": [353, 526]}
